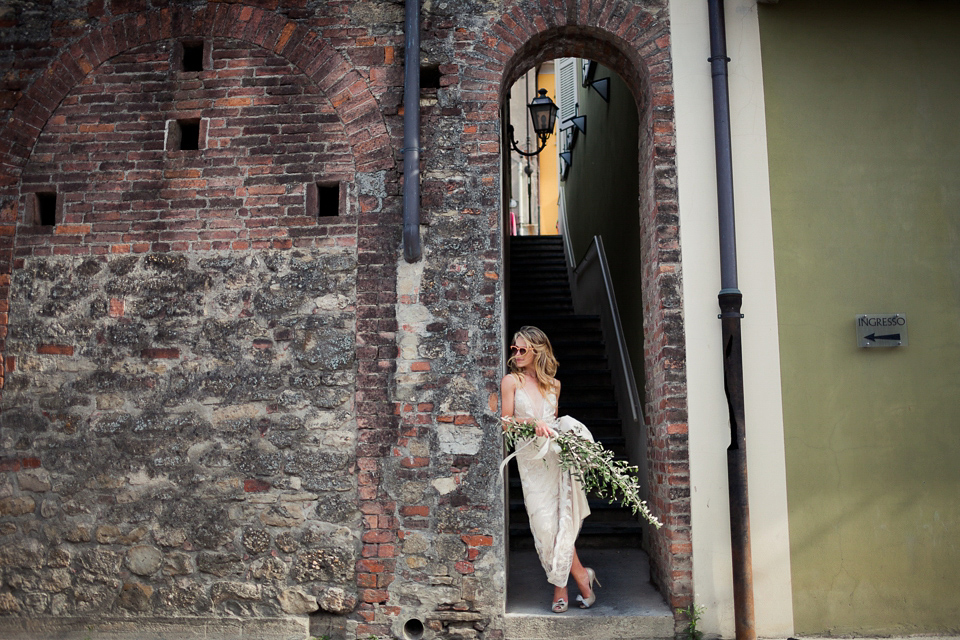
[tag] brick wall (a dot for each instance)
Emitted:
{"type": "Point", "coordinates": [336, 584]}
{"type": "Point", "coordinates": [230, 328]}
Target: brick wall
{"type": "Point", "coordinates": [194, 339]}
{"type": "Point", "coordinates": [211, 337]}
{"type": "Point", "coordinates": [111, 153]}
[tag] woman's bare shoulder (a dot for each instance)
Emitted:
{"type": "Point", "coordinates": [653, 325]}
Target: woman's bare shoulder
{"type": "Point", "coordinates": [508, 381]}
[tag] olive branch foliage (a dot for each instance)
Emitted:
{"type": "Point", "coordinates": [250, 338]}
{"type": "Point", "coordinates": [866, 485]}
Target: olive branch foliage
{"type": "Point", "coordinates": [595, 467]}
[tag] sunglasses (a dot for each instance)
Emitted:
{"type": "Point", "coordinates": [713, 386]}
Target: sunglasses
{"type": "Point", "coordinates": [520, 351]}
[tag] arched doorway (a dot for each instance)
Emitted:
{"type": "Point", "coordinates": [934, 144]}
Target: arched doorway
{"type": "Point", "coordinates": [576, 274]}
{"type": "Point", "coordinates": [635, 46]}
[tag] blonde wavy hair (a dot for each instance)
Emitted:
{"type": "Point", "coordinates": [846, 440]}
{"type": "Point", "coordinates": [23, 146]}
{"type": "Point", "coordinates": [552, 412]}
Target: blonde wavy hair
{"type": "Point", "coordinates": [544, 363]}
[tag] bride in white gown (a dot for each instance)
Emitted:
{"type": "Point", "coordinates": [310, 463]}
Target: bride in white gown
{"type": "Point", "coordinates": [556, 503]}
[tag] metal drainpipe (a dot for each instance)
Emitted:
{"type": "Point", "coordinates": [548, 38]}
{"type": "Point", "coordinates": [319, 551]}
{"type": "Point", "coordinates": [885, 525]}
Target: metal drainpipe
{"type": "Point", "coordinates": [411, 133]}
{"type": "Point", "coordinates": [730, 300]}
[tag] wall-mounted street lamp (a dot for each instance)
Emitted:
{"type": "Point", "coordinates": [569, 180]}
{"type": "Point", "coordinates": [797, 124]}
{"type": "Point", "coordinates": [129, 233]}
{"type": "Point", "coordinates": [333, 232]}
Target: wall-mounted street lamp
{"type": "Point", "coordinates": [571, 128]}
{"type": "Point", "coordinates": [578, 122]}
{"type": "Point", "coordinates": [601, 86]}
{"type": "Point", "coordinates": [543, 112]}
{"type": "Point", "coordinates": [570, 138]}
{"type": "Point", "coordinates": [566, 162]}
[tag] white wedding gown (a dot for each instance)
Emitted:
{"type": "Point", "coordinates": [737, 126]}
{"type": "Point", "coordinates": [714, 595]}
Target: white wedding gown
{"type": "Point", "coordinates": [556, 503]}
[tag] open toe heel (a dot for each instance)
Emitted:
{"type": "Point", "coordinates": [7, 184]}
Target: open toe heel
{"type": "Point", "coordinates": [592, 582]}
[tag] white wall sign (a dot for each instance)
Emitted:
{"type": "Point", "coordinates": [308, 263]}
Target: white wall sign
{"type": "Point", "coordinates": [882, 330]}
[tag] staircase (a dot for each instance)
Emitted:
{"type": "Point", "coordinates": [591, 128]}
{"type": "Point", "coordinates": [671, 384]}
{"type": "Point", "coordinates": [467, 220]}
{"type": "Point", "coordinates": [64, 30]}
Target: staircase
{"type": "Point", "coordinates": [540, 296]}
{"type": "Point", "coordinates": [628, 605]}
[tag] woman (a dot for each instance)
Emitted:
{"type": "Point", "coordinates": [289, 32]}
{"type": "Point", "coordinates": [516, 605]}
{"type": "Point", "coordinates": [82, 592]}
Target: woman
{"type": "Point", "coordinates": [556, 503]}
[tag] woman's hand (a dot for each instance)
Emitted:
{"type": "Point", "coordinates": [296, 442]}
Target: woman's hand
{"type": "Point", "coordinates": [543, 429]}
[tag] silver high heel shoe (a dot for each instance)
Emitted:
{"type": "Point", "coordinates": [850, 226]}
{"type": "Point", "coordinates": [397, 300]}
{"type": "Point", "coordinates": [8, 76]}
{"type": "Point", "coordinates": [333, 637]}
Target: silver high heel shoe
{"type": "Point", "coordinates": [560, 606]}
{"type": "Point", "coordinates": [586, 603]}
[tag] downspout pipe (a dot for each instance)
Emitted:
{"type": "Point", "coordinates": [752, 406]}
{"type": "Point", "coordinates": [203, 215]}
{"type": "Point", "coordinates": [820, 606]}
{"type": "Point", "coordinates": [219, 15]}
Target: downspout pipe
{"type": "Point", "coordinates": [412, 250]}
{"type": "Point", "coordinates": [730, 299]}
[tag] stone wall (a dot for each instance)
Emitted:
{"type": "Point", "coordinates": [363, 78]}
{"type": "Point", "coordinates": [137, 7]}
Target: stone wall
{"type": "Point", "coordinates": [182, 434]}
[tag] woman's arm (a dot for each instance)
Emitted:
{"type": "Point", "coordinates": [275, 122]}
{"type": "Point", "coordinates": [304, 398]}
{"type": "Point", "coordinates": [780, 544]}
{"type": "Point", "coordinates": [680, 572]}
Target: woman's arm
{"type": "Point", "coordinates": [556, 386]}
{"type": "Point", "coordinates": [508, 390]}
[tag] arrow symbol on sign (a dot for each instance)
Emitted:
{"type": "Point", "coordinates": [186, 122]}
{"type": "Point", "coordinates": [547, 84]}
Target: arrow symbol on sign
{"type": "Point", "coordinates": [873, 337]}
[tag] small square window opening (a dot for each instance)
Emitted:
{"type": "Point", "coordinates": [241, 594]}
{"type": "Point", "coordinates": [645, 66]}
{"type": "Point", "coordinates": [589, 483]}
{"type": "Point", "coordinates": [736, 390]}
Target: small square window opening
{"type": "Point", "coordinates": [184, 135]}
{"type": "Point", "coordinates": [45, 208]}
{"type": "Point", "coordinates": [323, 200]}
{"type": "Point", "coordinates": [430, 77]}
{"type": "Point", "coordinates": [189, 135]}
{"type": "Point", "coordinates": [193, 56]}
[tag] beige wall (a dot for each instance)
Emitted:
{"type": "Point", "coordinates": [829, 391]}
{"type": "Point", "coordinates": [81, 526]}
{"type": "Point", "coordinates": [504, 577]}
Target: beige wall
{"type": "Point", "coordinates": [549, 178]}
{"type": "Point", "coordinates": [522, 91]}
{"type": "Point", "coordinates": [863, 105]}
{"type": "Point", "coordinates": [708, 423]}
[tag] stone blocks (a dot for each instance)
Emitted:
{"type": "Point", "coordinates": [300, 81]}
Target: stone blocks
{"type": "Point", "coordinates": [172, 495]}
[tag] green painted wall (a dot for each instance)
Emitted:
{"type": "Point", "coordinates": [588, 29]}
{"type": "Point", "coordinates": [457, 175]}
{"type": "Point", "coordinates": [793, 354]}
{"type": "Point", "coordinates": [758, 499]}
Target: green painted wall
{"type": "Point", "coordinates": [863, 123]}
{"type": "Point", "coordinates": [601, 195]}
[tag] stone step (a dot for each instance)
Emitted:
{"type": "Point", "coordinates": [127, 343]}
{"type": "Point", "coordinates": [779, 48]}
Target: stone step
{"type": "Point", "coordinates": [552, 309]}
{"type": "Point", "coordinates": [627, 606]}
{"type": "Point", "coordinates": [602, 513]}
{"type": "Point", "coordinates": [538, 267]}
{"type": "Point", "coordinates": [585, 362]}
{"type": "Point", "coordinates": [592, 536]}
{"type": "Point", "coordinates": [145, 627]}
{"type": "Point", "coordinates": [587, 393]}
{"type": "Point", "coordinates": [575, 377]}
{"type": "Point", "coordinates": [535, 240]}
{"type": "Point", "coordinates": [571, 323]}
{"type": "Point", "coordinates": [535, 289]}
{"type": "Point", "coordinates": [542, 301]}
{"type": "Point", "coordinates": [531, 270]}
{"type": "Point", "coordinates": [587, 411]}
{"type": "Point", "coordinates": [535, 285]}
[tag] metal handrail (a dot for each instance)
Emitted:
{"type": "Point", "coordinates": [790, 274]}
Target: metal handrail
{"type": "Point", "coordinates": [597, 254]}
{"type": "Point", "coordinates": [622, 355]}
{"type": "Point", "coordinates": [593, 294]}
{"type": "Point", "coordinates": [565, 234]}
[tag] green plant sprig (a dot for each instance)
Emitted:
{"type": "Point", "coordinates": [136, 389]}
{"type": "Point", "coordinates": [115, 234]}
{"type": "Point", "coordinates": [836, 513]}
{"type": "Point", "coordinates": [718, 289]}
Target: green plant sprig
{"type": "Point", "coordinates": [595, 467]}
{"type": "Point", "coordinates": [693, 613]}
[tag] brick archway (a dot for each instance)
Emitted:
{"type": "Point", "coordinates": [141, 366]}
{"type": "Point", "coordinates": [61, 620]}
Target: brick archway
{"type": "Point", "coordinates": [347, 90]}
{"type": "Point", "coordinates": [303, 48]}
{"type": "Point", "coordinates": [635, 43]}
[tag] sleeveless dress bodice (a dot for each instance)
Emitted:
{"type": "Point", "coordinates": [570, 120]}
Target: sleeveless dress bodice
{"type": "Point", "coordinates": [525, 409]}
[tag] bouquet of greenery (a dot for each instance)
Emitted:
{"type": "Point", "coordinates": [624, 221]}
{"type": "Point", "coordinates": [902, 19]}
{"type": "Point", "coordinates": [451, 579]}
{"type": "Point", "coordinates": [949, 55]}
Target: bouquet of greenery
{"type": "Point", "coordinates": [591, 464]}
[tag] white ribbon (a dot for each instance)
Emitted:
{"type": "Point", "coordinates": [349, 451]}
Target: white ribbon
{"type": "Point", "coordinates": [539, 456]}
